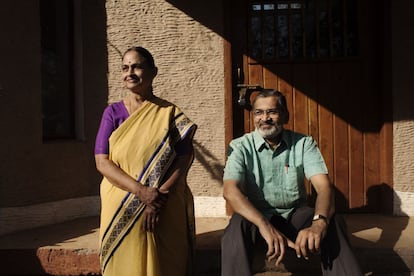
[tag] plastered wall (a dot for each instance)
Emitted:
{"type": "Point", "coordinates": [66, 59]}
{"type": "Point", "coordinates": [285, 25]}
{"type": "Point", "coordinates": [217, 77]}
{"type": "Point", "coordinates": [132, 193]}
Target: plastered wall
{"type": "Point", "coordinates": [189, 57]}
{"type": "Point", "coordinates": [403, 107]}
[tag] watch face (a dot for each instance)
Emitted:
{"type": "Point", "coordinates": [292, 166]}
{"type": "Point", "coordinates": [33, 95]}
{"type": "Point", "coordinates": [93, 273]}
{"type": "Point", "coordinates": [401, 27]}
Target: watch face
{"type": "Point", "coordinates": [316, 217]}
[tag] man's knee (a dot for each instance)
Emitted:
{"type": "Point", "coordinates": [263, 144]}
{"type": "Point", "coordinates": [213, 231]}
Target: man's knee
{"type": "Point", "coordinates": [238, 222]}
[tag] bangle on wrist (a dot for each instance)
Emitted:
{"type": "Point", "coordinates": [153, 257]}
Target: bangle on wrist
{"type": "Point", "coordinates": [163, 191]}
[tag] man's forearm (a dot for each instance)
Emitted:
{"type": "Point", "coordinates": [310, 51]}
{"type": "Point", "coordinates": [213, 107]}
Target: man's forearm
{"type": "Point", "coordinates": [241, 205]}
{"type": "Point", "coordinates": [325, 202]}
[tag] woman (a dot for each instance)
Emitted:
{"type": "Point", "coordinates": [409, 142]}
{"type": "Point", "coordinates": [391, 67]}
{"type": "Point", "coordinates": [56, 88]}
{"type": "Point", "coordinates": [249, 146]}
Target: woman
{"type": "Point", "coordinates": [144, 150]}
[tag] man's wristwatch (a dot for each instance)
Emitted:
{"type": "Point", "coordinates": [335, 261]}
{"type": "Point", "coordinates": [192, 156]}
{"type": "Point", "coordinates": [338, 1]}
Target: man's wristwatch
{"type": "Point", "coordinates": [318, 217]}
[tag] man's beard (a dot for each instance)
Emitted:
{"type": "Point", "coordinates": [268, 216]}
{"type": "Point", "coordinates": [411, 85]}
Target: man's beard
{"type": "Point", "coordinates": [272, 132]}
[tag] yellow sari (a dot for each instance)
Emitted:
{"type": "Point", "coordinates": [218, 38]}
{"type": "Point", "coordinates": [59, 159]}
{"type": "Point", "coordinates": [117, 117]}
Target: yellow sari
{"type": "Point", "coordinates": [143, 146]}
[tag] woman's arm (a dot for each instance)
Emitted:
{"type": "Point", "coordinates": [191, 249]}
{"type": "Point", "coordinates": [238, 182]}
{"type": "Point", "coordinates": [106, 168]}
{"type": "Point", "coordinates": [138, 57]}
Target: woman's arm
{"type": "Point", "coordinates": [148, 195]}
{"type": "Point", "coordinates": [180, 166]}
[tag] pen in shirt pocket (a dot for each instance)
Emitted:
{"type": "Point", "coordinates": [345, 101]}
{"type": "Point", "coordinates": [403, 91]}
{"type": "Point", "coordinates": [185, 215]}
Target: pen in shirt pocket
{"type": "Point", "coordinates": [287, 168]}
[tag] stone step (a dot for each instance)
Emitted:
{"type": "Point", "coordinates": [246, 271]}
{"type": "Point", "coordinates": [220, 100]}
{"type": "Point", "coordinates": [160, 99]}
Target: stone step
{"type": "Point", "coordinates": [383, 244]}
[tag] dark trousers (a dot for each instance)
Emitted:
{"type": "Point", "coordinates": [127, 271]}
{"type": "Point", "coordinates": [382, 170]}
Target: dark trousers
{"type": "Point", "coordinates": [241, 239]}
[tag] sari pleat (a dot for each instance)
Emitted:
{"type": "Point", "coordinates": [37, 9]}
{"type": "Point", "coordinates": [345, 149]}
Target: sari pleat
{"type": "Point", "coordinates": [143, 146]}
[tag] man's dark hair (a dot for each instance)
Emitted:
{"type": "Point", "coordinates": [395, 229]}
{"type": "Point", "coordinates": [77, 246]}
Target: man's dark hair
{"type": "Point", "coordinates": [281, 101]}
{"type": "Point", "coordinates": [149, 59]}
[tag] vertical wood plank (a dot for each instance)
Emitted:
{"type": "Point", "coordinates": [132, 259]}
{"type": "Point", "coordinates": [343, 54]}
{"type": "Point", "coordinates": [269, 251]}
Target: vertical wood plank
{"type": "Point", "coordinates": [313, 124]}
{"type": "Point", "coordinates": [356, 157]}
{"type": "Point", "coordinates": [304, 80]}
{"type": "Point", "coordinates": [300, 112]}
{"type": "Point", "coordinates": [341, 177]}
{"type": "Point", "coordinates": [386, 176]}
{"type": "Point", "coordinates": [284, 85]}
{"type": "Point", "coordinates": [356, 169]}
{"type": "Point", "coordinates": [255, 77]}
{"type": "Point", "coordinates": [340, 104]}
{"type": "Point", "coordinates": [313, 119]}
{"type": "Point", "coordinates": [386, 133]}
{"type": "Point", "coordinates": [269, 77]}
{"type": "Point", "coordinates": [371, 167]}
{"type": "Point", "coordinates": [325, 124]}
{"type": "Point", "coordinates": [372, 119]}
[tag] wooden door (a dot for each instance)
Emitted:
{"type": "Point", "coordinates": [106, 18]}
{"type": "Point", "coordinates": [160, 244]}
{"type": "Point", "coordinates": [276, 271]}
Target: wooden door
{"type": "Point", "coordinates": [323, 55]}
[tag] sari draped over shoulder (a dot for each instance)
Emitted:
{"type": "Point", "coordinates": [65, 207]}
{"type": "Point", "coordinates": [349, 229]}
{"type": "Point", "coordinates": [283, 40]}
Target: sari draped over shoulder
{"type": "Point", "coordinates": [143, 146]}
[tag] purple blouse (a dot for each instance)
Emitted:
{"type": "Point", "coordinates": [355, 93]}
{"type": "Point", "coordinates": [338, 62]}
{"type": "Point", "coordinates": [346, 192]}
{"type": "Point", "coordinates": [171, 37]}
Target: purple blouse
{"type": "Point", "coordinates": [113, 116]}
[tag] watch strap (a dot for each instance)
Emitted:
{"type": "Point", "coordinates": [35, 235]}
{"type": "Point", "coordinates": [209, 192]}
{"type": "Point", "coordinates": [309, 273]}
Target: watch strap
{"type": "Point", "coordinates": [319, 216]}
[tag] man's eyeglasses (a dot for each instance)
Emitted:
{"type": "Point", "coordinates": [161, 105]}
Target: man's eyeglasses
{"type": "Point", "coordinates": [270, 112]}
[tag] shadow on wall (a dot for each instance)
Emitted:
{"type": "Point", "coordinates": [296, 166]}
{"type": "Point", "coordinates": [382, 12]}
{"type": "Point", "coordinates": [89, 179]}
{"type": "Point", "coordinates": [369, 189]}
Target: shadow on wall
{"type": "Point", "coordinates": [376, 199]}
{"type": "Point", "coordinates": [379, 200]}
{"type": "Point", "coordinates": [207, 159]}
{"type": "Point", "coordinates": [389, 228]}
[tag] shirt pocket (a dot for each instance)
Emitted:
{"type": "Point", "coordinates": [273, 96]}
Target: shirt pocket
{"type": "Point", "coordinates": [294, 185]}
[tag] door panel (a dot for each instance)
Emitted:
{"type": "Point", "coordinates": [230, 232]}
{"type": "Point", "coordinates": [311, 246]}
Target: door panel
{"type": "Point", "coordinates": [312, 52]}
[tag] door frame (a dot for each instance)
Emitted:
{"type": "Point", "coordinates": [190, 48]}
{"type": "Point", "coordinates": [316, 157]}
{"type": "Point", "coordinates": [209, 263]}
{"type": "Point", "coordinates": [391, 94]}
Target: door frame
{"type": "Point", "coordinates": [235, 47]}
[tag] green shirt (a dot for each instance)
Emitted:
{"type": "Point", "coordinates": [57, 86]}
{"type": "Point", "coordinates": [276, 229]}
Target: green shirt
{"type": "Point", "coordinates": [273, 180]}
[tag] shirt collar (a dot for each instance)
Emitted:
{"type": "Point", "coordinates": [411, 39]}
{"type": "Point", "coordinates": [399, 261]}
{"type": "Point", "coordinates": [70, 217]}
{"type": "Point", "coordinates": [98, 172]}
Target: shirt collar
{"type": "Point", "coordinates": [260, 143]}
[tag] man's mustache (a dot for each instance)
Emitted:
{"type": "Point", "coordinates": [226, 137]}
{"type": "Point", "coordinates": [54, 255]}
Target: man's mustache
{"type": "Point", "coordinates": [269, 123]}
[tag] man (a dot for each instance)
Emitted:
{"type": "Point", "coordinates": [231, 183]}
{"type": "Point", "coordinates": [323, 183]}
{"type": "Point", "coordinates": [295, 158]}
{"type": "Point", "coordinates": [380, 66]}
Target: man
{"type": "Point", "coordinates": [264, 185]}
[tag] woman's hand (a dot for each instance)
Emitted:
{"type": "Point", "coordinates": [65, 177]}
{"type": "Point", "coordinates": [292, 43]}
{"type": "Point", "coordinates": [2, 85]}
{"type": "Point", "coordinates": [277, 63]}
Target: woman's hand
{"type": "Point", "coordinates": [152, 197]}
{"type": "Point", "coordinates": [150, 219]}
{"type": "Point", "coordinates": [152, 210]}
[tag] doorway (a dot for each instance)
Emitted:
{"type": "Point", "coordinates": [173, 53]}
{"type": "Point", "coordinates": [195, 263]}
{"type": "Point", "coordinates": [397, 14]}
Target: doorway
{"type": "Point", "coordinates": [323, 55]}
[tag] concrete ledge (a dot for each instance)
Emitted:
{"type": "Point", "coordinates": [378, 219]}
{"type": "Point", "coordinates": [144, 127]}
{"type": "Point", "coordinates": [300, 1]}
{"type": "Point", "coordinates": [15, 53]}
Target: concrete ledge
{"type": "Point", "coordinates": [69, 248]}
{"type": "Point", "coordinates": [69, 261]}
{"type": "Point", "coordinates": [209, 206]}
{"type": "Point", "coordinates": [383, 244]}
{"type": "Point", "coordinates": [27, 217]}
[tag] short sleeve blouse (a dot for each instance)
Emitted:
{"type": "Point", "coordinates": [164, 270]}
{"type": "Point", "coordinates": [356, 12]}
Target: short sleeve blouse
{"type": "Point", "coordinates": [113, 116]}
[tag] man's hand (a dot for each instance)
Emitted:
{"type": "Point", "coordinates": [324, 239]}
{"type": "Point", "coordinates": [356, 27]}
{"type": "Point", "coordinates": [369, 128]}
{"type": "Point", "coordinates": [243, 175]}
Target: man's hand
{"type": "Point", "coordinates": [276, 242]}
{"type": "Point", "coordinates": [309, 239]}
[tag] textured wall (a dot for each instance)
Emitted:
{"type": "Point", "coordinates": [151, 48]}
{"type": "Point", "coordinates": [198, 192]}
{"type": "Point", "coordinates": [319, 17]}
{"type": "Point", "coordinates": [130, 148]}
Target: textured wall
{"type": "Point", "coordinates": [404, 168]}
{"type": "Point", "coordinates": [189, 57]}
{"type": "Point", "coordinates": [47, 182]}
{"type": "Point", "coordinates": [33, 171]}
{"type": "Point", "coordinates": [403, 156]}
{"type": "Point", "coordinates": [403, 88]}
